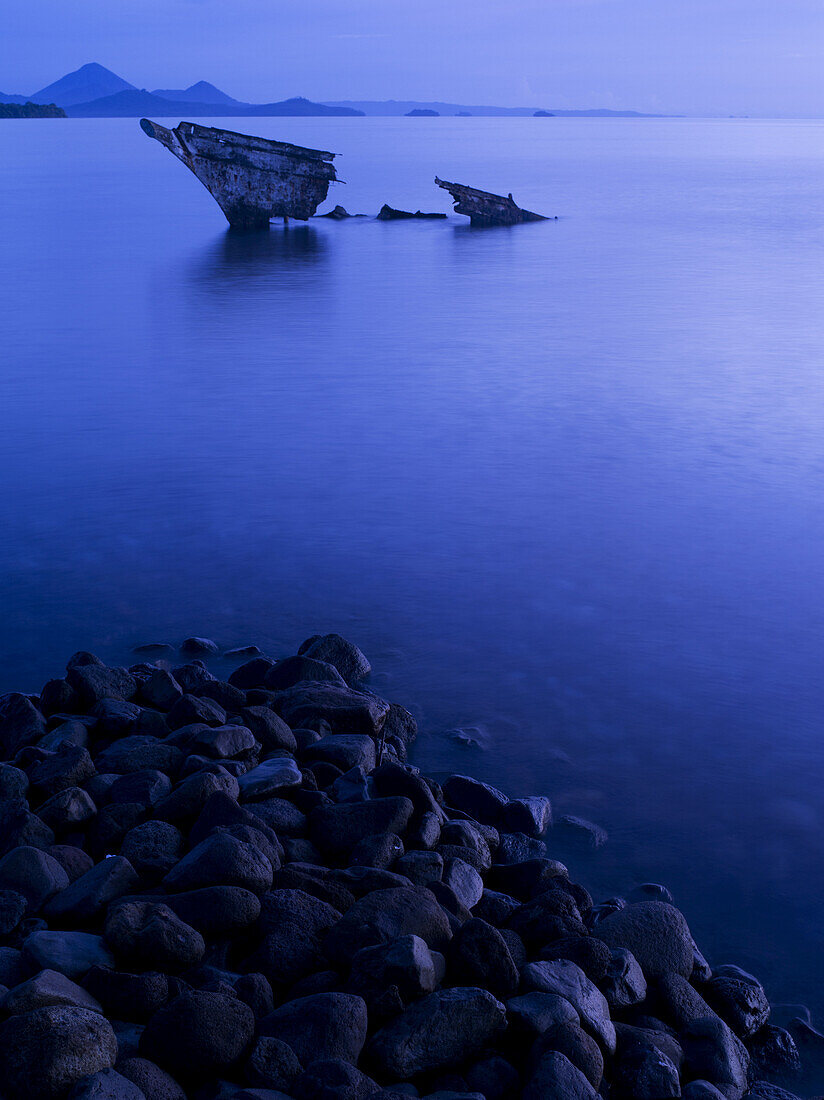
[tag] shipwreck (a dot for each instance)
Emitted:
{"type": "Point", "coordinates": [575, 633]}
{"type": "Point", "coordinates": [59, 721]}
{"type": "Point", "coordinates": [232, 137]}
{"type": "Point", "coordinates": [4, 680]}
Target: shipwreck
{"type": "Point", "coordinates": [252, 179]}
{"type": "Point", "coordinates": [483, 208]}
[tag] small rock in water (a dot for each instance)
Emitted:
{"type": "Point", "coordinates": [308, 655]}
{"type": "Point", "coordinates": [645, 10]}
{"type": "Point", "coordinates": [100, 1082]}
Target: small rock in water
{"type": "Point", "coordinates": [199, 646]}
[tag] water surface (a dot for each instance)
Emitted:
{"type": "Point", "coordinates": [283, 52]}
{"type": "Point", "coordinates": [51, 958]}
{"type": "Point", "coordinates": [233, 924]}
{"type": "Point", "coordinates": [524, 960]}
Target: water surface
{"type": "Point", "coordinates": [562, 482]}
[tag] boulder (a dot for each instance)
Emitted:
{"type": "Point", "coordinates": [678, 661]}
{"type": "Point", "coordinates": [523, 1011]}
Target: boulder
{"type": "Point", "coordinates": [45, 1052]}
{"type": "Point", "coordinates": [656, 934]}
{"type": "Point", "coordinates": [712, 1053]}
{"type": "Point", "coordinates": [127, 996]}
{"type": "Point", "coordinates": [272, 1064]}
{"type": "Point", "coordinates": [347, 751]}
{"type": "Point", "coordinates": [295, 670]}
{"type": "Point", "coordinates": [12, 910]}
{"type": "Point", "coordinates": [319, 1027]}
{"type": "Point", "coordinates": [216, 911]}
{"type": "Point", "coordinates": [161, 690]}
{"type": "Point", "coordinates": [383, 916]}
{"type": "Point", "coordinates": [345, 710]}
{"type": "Point", "coordinates": [71, 953]}
{"type": "Point", "coordinates": [531, 816]}
{"type": "Point", "coordinates": [147, 934]}
{"type": "Point", "coordinates": [739, 999]}
{"type": "Point", "coordinates": [445, 1029]}
{"type": "Point", "coordinates": [34, 874]}
{"type": "Point", "coordinates": [555, 1078]}
{"type": "Point", "coordinates": [534, 1013]}
{"type": "Point", "coordinates": [624, 984]}
{"type": "Point", "coordinates": [198, 1034]}
{"type": "Point", "coordinates": [565, 979]}
{"type": "Point", "coordinates": [464, 881]}
{"type": "Point", "coordinates": [278, 773]}
{"type": "Point", "coordinates": [49, 987]}
{"type": "Point", "coordinates": [147, 787]}
{"type": "Point", "coordinates": [153, 848]}
{"type": "Point", "coordinates": [93, 683]}
{"type": "Point", "coordinates": [221, 860]}
{"type": "Point", "coordinates": [479, 800]}
{"type": "Point", "coordinates": [336, 829]}
{"type": "Point", "coordinates": [478, 956]}
{"type": "Point", "coordinates": [138, 752]}
{"type": "Point", "coordinates": [68, 766]}
{"type": "Point", "coordinates": [85, 900]}
{"type": "Point", "coordinates": [293, 923]}
{"type": "Point", "coordinates": [407, 963]}
{"type": "Point", "coordinates": [155, 1082]}
{"type": "Point", "coordinates": [106, 1085]}
{"type": "Point", "coordinates": [269, 729]}
{"type": "Point", "coordinates": [21, 724]}
{"type": "Point", "coordinates": [334, 650]}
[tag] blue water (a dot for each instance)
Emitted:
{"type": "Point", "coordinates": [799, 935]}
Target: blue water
{"type": "Point", "coordinates": [562, 482]}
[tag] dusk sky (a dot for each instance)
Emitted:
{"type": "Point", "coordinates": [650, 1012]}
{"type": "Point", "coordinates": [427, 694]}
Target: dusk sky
{"type": "Point", "coordinates": [683, 56]}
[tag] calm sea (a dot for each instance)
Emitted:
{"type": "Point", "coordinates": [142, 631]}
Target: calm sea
{"type": "Point", "coordinates": [564, 482]}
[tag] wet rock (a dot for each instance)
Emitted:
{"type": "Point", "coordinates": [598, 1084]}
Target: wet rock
{"type": "Point", "coordinates": [655, 933]}
{"type": "Point", "coordinates": [530, 816]}
{"type": "Point", "coordinates": [126, 996]}
{"type": "Point", "coordinates": [444, 1029]}
{"type": "Point", "coordinates": [518, 848]}
{"type": "Point", "coordinates": [774, 1054]}
{"type": "Point", "coordinates": [274, 775]}
{"type": "Point", "coordinates": [155, 1083]}
{"type": "Point", "coordinates": [272, 1064]}
{"type": "Point", "coordinates": [199, 647]}
{"type": "Point", "coordinates": [739, 999]}
{"type": "Point", "coordinates": [85, 900]}
{"type": "Point", "coordinates": [479, 956]}
{"type": "Point", "coordinates": [45, 1052]}
{"type": "Point", "coordinates": [49, 987]}
{"type": "Point", "coordinates": [346, 710]}
{"type": "Point", "coordinates": [389, 214]}
{"type": "Point", "coordinates": [296, 670]}
{"type": "Point", "coordinates": [580, 832]}
{"type": "Point", "coordinates": [337, 651]}
{"type": "Point", "coordinates": [480, 800]}
{"type": "Point", "coordinates": [320, 1027]}
{"type": "Point", "coordinates": [34, 874]}
{"type": "Point", "coordinates": [147, 935]}
{"type": "Point", "coordinates": [198, 1034]}
{"type": "Point", "coordinates": [385, 915]}
{"type": "Point", "coordinates": [565, 979]}
{"type": "Point", "coordinates": [712, 1053]}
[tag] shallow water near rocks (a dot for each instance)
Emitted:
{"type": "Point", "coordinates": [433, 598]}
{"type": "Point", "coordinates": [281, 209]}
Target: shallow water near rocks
{"type": "Point", "coordinates": [561, 482]}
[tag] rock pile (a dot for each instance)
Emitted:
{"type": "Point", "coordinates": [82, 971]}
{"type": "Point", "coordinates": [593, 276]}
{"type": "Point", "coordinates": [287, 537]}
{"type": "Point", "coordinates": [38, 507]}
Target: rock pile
{"type": "Point", "coordinates": [240, 889]}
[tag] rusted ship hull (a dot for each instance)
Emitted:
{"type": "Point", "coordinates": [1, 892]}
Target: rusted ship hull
{"type": "Point", "coordinates": [252, 179]}
{"type": "Point", "coordinates": [483, 208]}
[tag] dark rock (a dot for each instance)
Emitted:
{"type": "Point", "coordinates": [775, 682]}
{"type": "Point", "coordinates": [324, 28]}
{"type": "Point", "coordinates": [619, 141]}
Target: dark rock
{"type": "Point", "coordinates": [193, 677]}
{"type": "Point", "coordinates": [334, 650]}
{"type": "Point", "coordinates": [580, 832]}
{"type": "Point", "coordinates": [712, 1053]}
{"type": "Point", "coordinates": [160, 690]}
{"type": "Point", "coordinates": [272, 1064]}
{"type": "Point", "coordinates": [739, 999]}
{"type": "Point", "coordinates": [526, 880]}
{"type": "Point", "coordinates": [49, 987]}
{"type": "Point", "coordinates": [216, 911]}
{"type": "Point", "coordinates": [644, 1074]}
{"type": "Point", "coordinates": [532, 1014]}
{"type": "Point", "coordinates": [18, 826]}
{"type": "Point", "coordinates": [14, 783]}
{"type": "Point", "coordinates": [21, 724]}
{"type": "Point", "coordinates": [591, 954]}
{"type": "Point", "coordinates": [352, 786]}
{"type": "Point", "coordinates": [198, 1034]}
{"type": "Point", "coordinates": [45, 1052]}
{"type": "Point", "coordinates": [421, 868]}
{"type": "Point", "coordinates": [221, 859]}
{"type": "Point", "coordinates": [106, 1085]}
{"type": "Point", "coordinates": [317, 1028]}
{"type": "Point", "coordinates": [377, 851]}
{"type": "Point", "coordinates": [58, 696]}
{"type": "Point", "coordinates": [334, 1079]}
{"type": "Point", "coordinates": [190, 710]}
{"type": "Point", "coordinates": [407, 964]}
{"type": "Point", "coordinates": [74, 861]}
{"type": "Point", "coordinates": [701, 1090]}
{"type": "Point", "coordinates": [73, 732]}
{"type": "Point", "coordinates": [313, 880]}
{"type": "Point", "coordinates": [655, 933]}
{"type": "Point", "coordinates": [115, 718]}
{"type": "Point", "coordinates": [395, 779]}
{"type": "Point", "coordinates": [293, 924]}
{"type": "Point", "coordinates": [678, 1003]}
{"type": "Point", "coordinates": [624, 984]}
{"type": "Point", "coordinates": [138, 753]}
{"type": "Point", "coordinates": [565, 979]}
{"type": "Point", "coordinates": [85, 900]}
{"type": "Point", "coordinates": [296, 670]}
{"type": "Point", "coordinates": [555, 1078]}
{"type": "Point", "coordinates": [346, 710]}
{"type": "Point", "coordinates": [269, 729]}
{"type": "Point", "coordinates": [188, 799]}
{"type": "Point", "coordinates": [518, 848]}
{"type": "Point", "coordinates": [69, 766]}
{"type": "Point", "coordinates": [569, 1038]}
{"type": "Point", "coordinates": [385, 915]}
{"type": "Point", "coordinates": [477, 799]}
{"type": "Point", "coordinates": [774, 1054]}
{"type": "Point", "coordinates": [651, 1035]}
{"type": "Point", "coordinates": [12, 910]}
{"type": "Point", "coordinates": [549, 916]}
{"type": "Point", "coordinates": [94, 683]}
{"type": "Point", "coordinates": [336, 829]}
{"type": "Point", "coordinates": [495, 908]}
{"type": "Point", "coordinates": [274, 775]}
{"type": "Point", "coordinates": [445, 1029]}
{"type": "Point", "coordinates": [252, 674]}
{"type": "Point", "coordinates": [128, 1037]}
{"type": "Point", "coordinates": [389, 214]}
{"type": "Point", "coordinates": [494, 1078]}
{"type": "Point", "coordinates": [223, 742]}
{"type": "Point", "coordinates": [282, 816]}
{"type": "Point", "coordinates": [110, 826]}
{"type": "Point", "coordinates": [68, 809]}
{"type": "Point", "coordinates": [531, 816]}
{"type": "Point", "coordinates": [127, 996]}
{"type": "Point", "coordinates": [255, 990]}
{"type": "Point", "coordinates": [34, 874]}
{"type": "Point", "coordinates": [344, 750]}
{"type": "Point", "coordinates": [466, 835]}
{"type": "Point", "coordinates": [478, 955]}
{"type": "Point", "coordinates": [147, 787]}
{"type": "Point", "coordinates": [155, 1082]}
{"type": "Point", "coordinates": [71, 953]}
{"type": "Point", "coordinates": [148, 934]}
{"type": "Point", "coordinates": [199, 647]}
{"type": "Point", "coordinates": [153, 847]}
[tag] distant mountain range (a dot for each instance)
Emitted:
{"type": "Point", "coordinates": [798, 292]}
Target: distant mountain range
{"type": "Point", "coordinates": [93, 91]}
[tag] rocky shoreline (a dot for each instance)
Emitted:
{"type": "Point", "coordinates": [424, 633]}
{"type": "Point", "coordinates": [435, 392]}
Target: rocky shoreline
{"type": "Point", "coordinates": [240, 889]}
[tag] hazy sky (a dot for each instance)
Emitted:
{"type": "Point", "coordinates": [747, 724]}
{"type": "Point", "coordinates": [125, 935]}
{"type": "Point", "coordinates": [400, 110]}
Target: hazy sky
{"type": "Point", "coordinates": [684, 56]}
